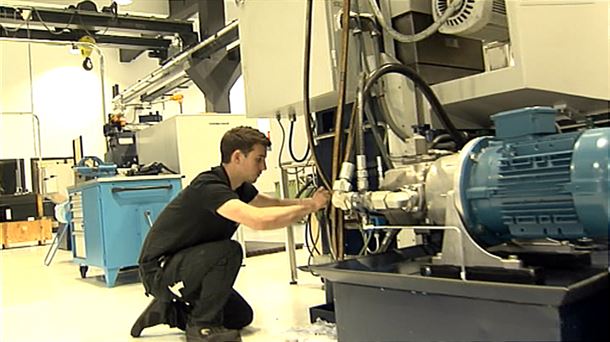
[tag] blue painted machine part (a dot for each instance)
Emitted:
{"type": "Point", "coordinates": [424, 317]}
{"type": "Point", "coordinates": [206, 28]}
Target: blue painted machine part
{"type": "Point", "coordinates": [591, 179]}
{"type": "Point", "coordinates": [109, 218]}
{"type": "Point", "coordinates": [535, 185]}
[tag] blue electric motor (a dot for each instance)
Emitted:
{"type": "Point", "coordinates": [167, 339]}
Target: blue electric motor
{"type": "Point", "coordinates": [530, 182]}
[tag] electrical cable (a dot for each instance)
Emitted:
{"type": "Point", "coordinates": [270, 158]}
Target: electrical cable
{"type": "Point", "coordinates": [435, 104]}
{"type": "Point", "coordinates": [309, 185]}
{"type": "Point", "coordinates": [15, 30]}
{"type": "Point", "coordinates": [366, 239]}
{"type": "Point", "coordinates": [290, 149]}
{"type": "Point", "coordinates": [440, 139]}
{"type": "Point", "coordinates": [306, 67]}
{"type": "Point", "coordinates": [279, 158]}
{"type": "Point", "coordinates": [304, 188]}
{"type": "Point", "coordinates": [80, 19]}
{"type": "Point", "coordinates": [318, 233]}
{"type": "Point", "coordinates": [314, 241]}
{"type": "Point", "coordinates": [279, 155]}
{"type": "Point", "coordinates": [443, 142]}
{"type": "Point", "coordinates": [310, 249]}
{"type": "Point", "coordinates": [451, 9]}
{"type": "Point", "coordinates": [57, 33]}
{"type": "Point", "coordinates": [328, 234]}
{"type": "Point", "coordinates": [351, 132]}
{"type": "Point", "coordinates": [376, 250]}
{"type": "Point", "coordinates": [377, 137]}
{"type": "Point", "coordinates": [450, 146]}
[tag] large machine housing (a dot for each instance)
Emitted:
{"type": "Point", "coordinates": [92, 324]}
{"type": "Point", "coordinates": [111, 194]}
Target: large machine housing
{"type": "Point", "coordinates": [524, 216]}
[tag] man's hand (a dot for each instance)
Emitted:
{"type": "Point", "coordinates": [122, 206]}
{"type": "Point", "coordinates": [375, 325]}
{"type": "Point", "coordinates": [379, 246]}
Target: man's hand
{"type": "Point", "coordinates": [320, 199]}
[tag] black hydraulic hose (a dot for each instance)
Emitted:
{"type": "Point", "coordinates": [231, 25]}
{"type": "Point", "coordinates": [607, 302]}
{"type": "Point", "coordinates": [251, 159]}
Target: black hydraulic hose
{"type": "Point", "coordinates": [349, 147]}
{"type": "Point", "coordinates": [291, 150]}
{"type": "Point", "coordinates": [360, 121]}
{"type": "Point", "coordinates": [302, 191]}
{"type": "Point", "coordinates": [435, 104]}
{"type": "Point", "coordinates": [377, 137]}
{"type": "Point", "coordinates": [279, 155]}
{"type": "Point", "coordinates": [441, 139]}
{"type": "Point", "coordinates": [306, 66]}
{"type": "Point", "coordinates": [450, 145]}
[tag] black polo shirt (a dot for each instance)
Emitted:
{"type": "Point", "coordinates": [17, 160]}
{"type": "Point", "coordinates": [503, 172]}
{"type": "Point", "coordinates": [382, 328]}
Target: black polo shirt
{"type": "Point", "coordinates": [191, 218]}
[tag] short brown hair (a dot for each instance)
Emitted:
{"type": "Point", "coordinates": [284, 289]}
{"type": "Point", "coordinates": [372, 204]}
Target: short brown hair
{"type": "Point", "coordinates": [241, 138]}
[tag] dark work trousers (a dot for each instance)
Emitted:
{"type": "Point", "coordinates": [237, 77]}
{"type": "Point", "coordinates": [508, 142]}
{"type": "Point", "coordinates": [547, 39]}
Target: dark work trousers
{"type": "Point", "coordinates": [201, 280]}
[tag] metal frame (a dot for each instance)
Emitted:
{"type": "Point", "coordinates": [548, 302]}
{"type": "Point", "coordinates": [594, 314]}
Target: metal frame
{"type": "Point", "coordinates": [290, 246]}
{"type": "Point", "coordinates": [172, 72]}
{"type": "Point", "coordinates": [72, 23]}
{"type": "Point", "coordinates": [123, 42]}
{"type": "Point", "coordinates": [285, 171]}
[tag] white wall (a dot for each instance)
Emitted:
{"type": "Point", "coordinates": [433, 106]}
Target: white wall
{"type": "Point", "coordinates": [49, 82]}
{"type": "Point", "coordinates": [271, 128]}
{"type": "Point", "coordinates": [66, 98]}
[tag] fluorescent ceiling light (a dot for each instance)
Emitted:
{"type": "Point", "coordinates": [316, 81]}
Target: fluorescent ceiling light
{"type": "Point", "coordinates": [123, 2]}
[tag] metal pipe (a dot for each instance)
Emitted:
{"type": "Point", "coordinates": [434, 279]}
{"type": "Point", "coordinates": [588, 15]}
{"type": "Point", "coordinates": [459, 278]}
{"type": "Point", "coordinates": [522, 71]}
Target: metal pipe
{"type": "Point", "coordinates": [133, 91]}
{"type": "Point", "coordinates": [35, 129]}
{"type": "Point", "coordinates": [306, 71]}
{"type": "Point", "coordinates": [290, 246]}
{"type": "Point", "coordinates": [360, 116]}
{"type": "Point", "coordinates": [387, 239]}
{"type": "Point", "coordinates": [336, 154]}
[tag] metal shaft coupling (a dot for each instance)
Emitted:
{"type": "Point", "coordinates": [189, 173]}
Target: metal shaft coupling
{"type": "Point", "coordinates": [405, 199]}
{"type": "Point", "coordinates": [343, 183]}
{"type": "Point", "coordinates": [342, 197]}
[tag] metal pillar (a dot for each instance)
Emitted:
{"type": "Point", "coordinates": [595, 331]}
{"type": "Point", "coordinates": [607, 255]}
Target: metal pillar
{"type": "Point", "coordinates": [290, 247]}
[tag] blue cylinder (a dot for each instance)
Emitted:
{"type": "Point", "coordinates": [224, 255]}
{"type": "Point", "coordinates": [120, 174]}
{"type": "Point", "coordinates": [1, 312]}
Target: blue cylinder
{"type": "Point", "coordinates": [591, 180]}
{"type": "Point", "coordinates": [529, 183]}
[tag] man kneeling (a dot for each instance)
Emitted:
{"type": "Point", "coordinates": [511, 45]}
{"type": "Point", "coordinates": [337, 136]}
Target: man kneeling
{"type": "Point", "coordinates": [188, 261]}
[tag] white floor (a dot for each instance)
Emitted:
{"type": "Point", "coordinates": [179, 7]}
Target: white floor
{"type": "Point", "coordinates": [41, 303]}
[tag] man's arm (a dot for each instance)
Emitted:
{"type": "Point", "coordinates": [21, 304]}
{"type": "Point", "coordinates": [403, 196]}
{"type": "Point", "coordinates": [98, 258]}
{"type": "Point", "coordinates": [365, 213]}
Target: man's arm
{"type": "Point", "coordinates": [275, 216]}
{"type": "Point", "coordinates": [263, 201]}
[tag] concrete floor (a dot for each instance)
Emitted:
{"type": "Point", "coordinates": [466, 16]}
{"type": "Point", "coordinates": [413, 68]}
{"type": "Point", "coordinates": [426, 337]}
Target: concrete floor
{"type": "Point", "coordinates": [41, 303]}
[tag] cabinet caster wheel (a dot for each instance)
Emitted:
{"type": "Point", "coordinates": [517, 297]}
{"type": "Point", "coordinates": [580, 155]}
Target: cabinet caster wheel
{"type": "Point", "coordinates": [83, 271]}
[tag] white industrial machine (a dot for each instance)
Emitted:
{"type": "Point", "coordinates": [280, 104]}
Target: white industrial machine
{"type": "Point", "coordinates": [482, 126]}
{"type": "Point", "coordinates": [190, 144]}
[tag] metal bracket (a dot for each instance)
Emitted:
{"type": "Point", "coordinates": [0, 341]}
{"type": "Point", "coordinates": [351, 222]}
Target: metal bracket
{"type": "Point", "coordinates": [457, 242]}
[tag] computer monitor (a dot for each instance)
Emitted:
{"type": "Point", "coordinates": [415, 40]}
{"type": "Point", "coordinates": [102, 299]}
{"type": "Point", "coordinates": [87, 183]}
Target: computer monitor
{"type": "Point", "coordinates": [12, 177]}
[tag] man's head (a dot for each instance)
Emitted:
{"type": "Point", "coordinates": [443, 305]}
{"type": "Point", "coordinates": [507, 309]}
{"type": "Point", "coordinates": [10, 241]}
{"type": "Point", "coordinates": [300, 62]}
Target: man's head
{"type": "Point", "coordinates": [245, 149]}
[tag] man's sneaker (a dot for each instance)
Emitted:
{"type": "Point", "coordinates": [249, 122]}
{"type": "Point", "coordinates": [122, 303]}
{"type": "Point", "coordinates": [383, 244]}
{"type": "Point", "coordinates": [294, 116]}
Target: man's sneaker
{"type": "Point", "coordinates": [211, 334]}
{"type": "Point", "coordinates": [157, 312]}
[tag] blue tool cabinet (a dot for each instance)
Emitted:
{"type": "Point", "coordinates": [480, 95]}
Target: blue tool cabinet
{"type": "Point", "coordinates": [110, 217]}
